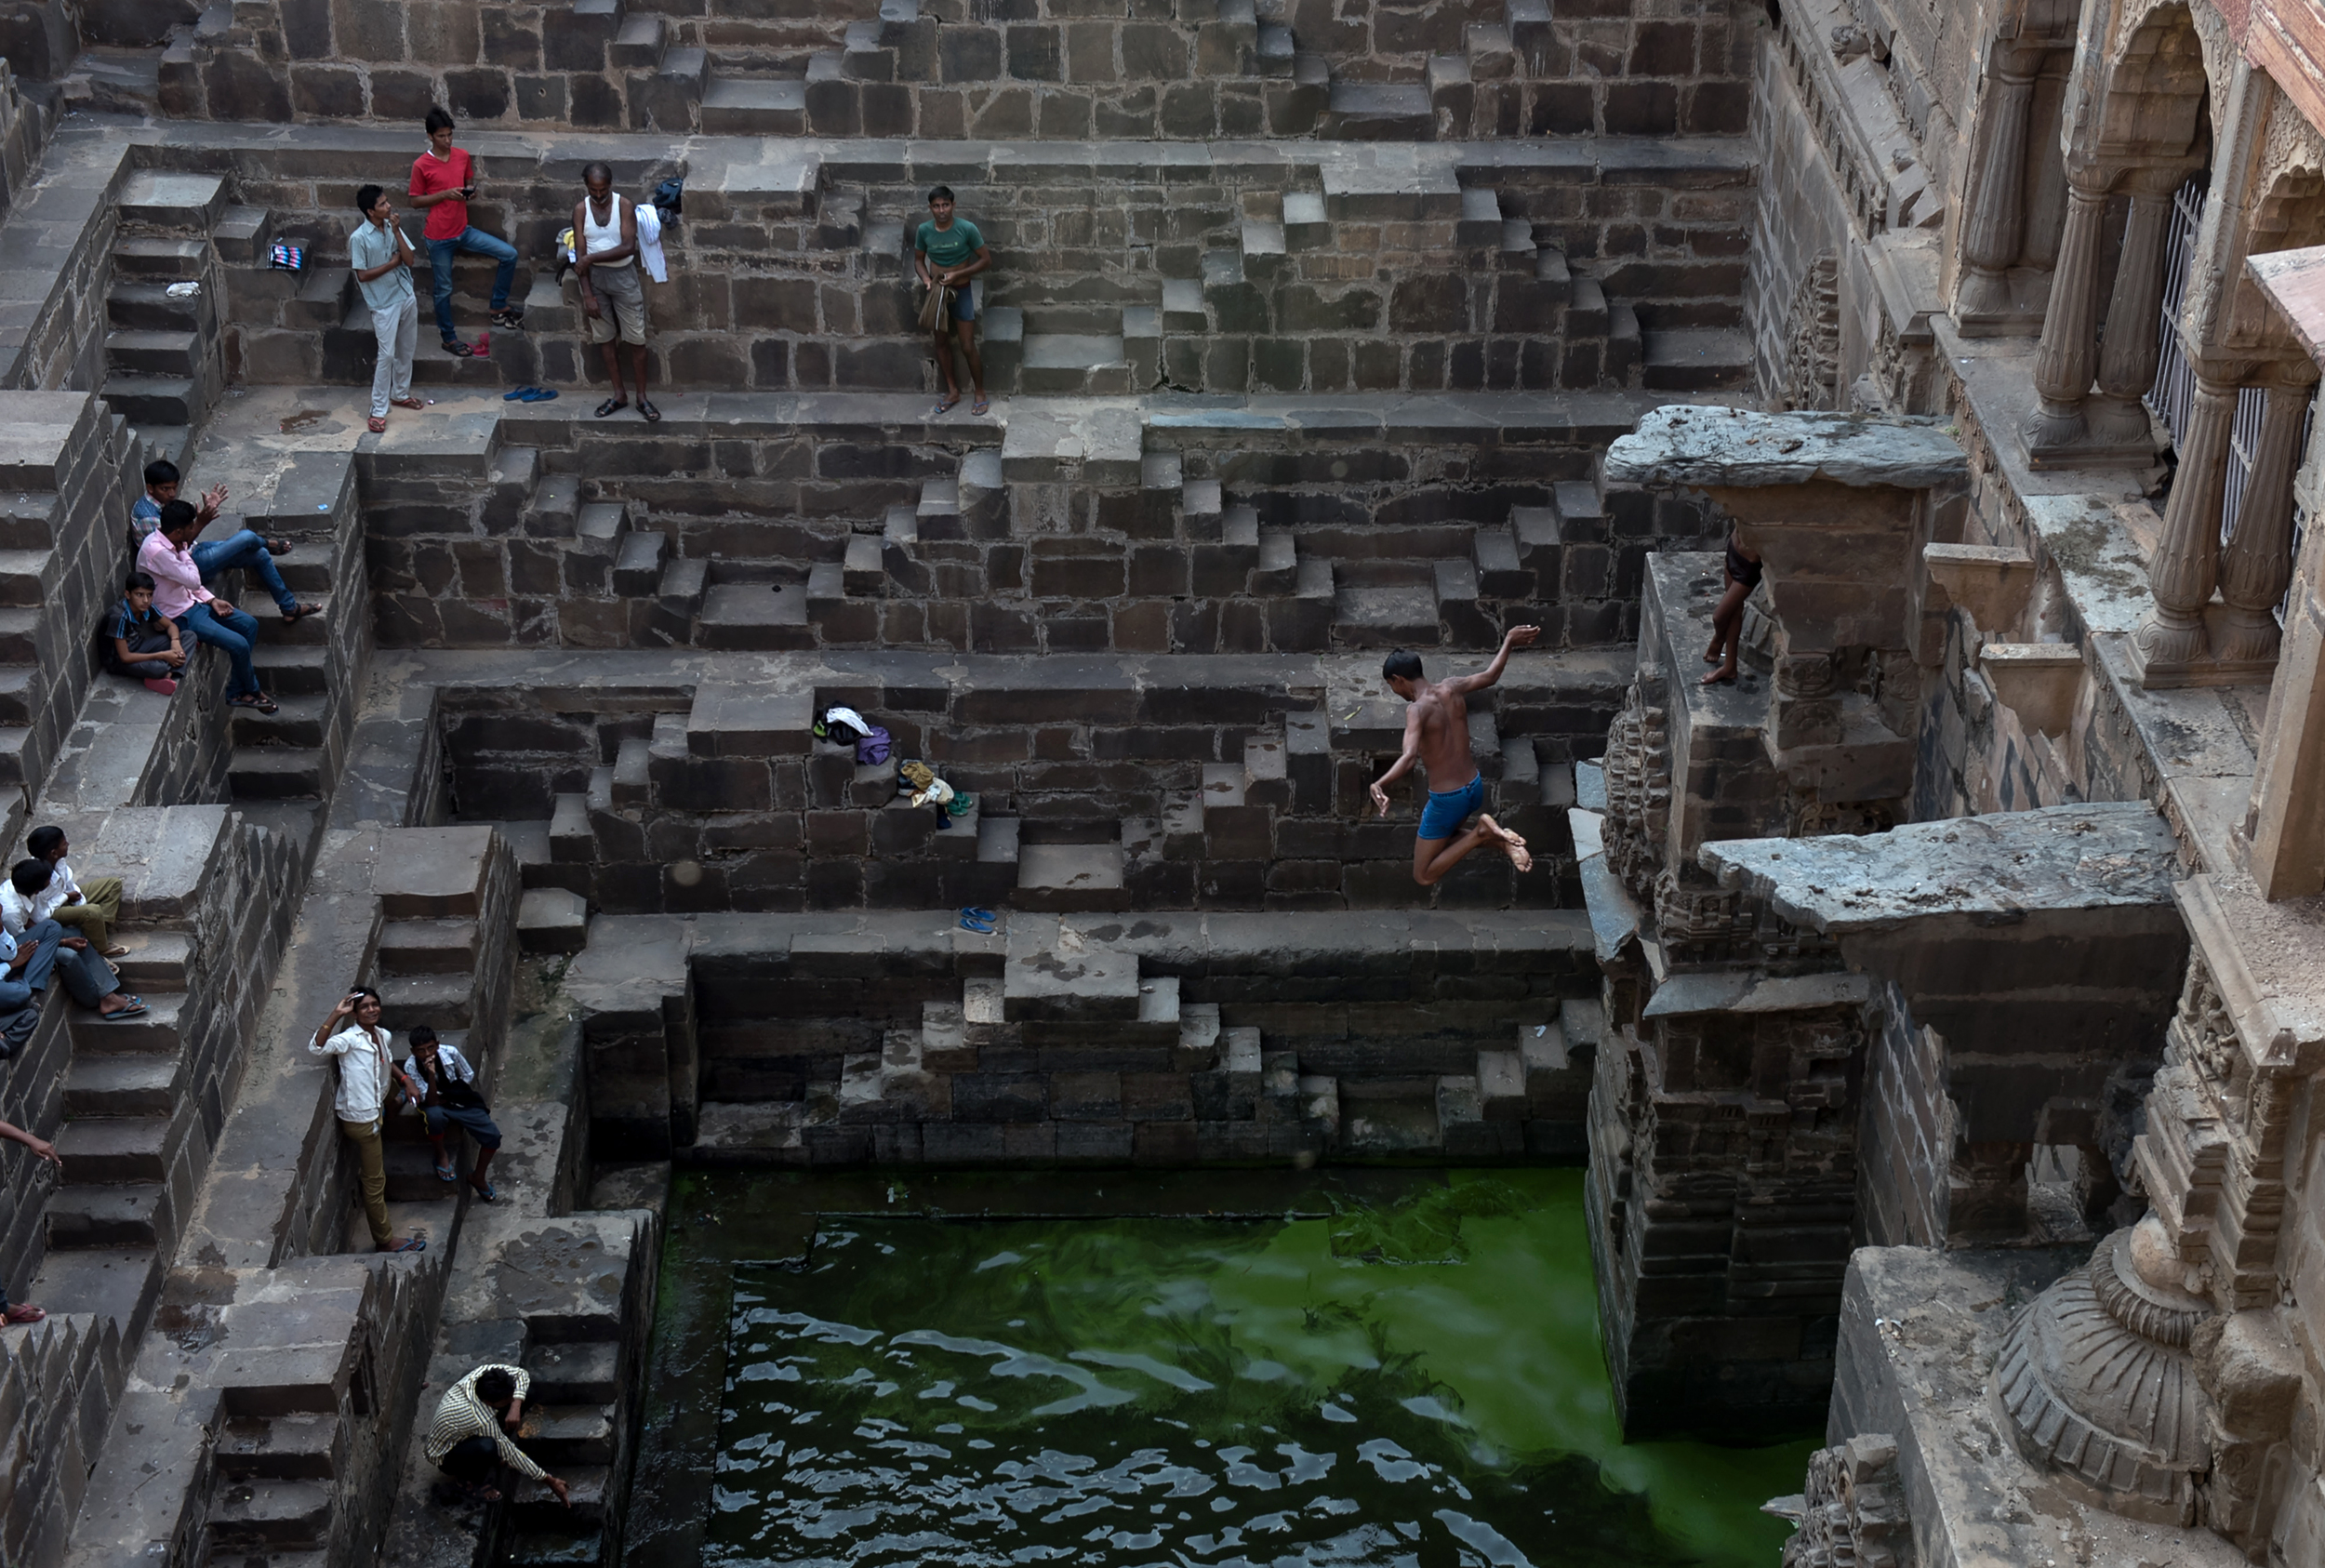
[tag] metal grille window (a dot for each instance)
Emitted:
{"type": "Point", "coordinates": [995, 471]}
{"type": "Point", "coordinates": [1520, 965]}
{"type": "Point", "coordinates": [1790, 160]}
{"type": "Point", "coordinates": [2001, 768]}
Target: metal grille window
{"type": "Point", "coordinates": [2175, 380]}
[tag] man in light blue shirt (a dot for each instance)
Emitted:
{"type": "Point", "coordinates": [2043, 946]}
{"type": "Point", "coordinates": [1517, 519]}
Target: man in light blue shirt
{"type": "Point", "coordinates": [382, 259]}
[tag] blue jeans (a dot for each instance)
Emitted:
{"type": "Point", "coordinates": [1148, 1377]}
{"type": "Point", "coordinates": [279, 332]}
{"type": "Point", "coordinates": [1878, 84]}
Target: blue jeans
{"type": "Point", "coordinates": [245, 552]}
{"type": "Point", "coordinates": [87, 975]}
{"type": "Point", "coordinates": [477, 242]}
{"type": "Point", "coordinates": [234, 632]}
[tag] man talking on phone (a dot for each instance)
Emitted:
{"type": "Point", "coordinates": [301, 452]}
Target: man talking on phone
{"type": "Point", "coordinates": [444, 182]}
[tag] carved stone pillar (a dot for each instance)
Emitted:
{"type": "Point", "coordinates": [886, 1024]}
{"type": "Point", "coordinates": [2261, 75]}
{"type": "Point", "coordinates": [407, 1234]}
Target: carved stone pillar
{"type": "Point", "coordinates": [2257, 563]}
{"type": "Point", "coordinates": [2186, 561]}
{"type": "Point", "coordinates": [1994, 228]}
{"type": "Point", "coordinates": [2133, 343]}
{"type": "Point", "coordinates": [2057, 432]}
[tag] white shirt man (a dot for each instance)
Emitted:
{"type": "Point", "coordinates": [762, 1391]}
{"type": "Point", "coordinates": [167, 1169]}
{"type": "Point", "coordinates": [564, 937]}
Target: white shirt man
{"type": "Point", "coordinates": [365, 1069]}
{"type": "Point", "coordinates": [17, 911]}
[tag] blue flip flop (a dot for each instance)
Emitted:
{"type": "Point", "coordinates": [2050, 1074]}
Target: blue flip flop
{"type": "Point", "coordinates": [540, 395]}
{"type": "Point", "coordinates": [978, 921]}
{"type": "Point", "coordinates": [521, 394]}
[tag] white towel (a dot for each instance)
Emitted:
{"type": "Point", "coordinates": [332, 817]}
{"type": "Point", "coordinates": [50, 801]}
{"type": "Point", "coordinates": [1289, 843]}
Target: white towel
{"type": "Point", "coordinates": [650, 244]}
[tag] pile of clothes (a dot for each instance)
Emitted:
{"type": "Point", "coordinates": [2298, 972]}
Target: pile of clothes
{"type": "Point", "coordinates": [845, 726]}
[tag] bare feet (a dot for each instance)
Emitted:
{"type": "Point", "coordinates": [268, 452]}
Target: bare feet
{"type": "Point", "coordinates": [1726, 673]}
{"type": "Point", "coordinates": [1512, 845]}
{"type": "Point", "coordinates": [1713, 657]}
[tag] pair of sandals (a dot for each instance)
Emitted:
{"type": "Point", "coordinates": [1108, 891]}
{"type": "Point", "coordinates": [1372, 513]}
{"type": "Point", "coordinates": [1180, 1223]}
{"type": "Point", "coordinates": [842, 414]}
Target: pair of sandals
{"type": "Point", "coordinates": [257, 701]}
{"type": "Point", "coordinates": [486, 1191]}
{"type": "Point", "coordinates": [616, 404]}
{"type": "Point", "coordinates": [379, 422]}
{"type": "Point", "coordinates": [529, 394]}
{"type": "Point", "coordinates": [946, 404]}
{"type": "Point", "coordinates": [978, 921]}
{"type": "Point", "coordinates": [136, 1009]}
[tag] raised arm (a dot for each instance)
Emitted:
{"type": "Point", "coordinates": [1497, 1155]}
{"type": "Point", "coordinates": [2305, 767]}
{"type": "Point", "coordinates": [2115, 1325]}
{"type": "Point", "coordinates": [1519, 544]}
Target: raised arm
{"type": "Point", "coordinates": [1518, 637]}
{"type": "Point", "coordinates": [1405, 759]}
{"type": "Point", "coordinates": [321, 1045]}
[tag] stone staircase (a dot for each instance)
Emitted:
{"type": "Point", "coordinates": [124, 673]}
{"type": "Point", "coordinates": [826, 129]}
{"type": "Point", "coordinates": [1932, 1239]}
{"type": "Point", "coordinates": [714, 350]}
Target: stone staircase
{"type": "Point", "coordinates": [164, 355]}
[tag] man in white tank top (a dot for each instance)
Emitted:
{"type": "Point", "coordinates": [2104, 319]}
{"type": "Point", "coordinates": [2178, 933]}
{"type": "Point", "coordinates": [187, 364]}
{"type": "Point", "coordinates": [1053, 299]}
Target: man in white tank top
{"type": "Point", "coordinates": [613, 296]}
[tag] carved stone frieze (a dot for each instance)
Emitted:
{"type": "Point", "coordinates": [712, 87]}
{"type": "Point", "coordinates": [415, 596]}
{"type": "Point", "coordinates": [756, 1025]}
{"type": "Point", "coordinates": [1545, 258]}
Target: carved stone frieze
{"type": "Point", "coordinates": [1811, 352]}
{"type": "Point", "coordinates": [1638, 767]}
{"type": "Point", "coordinates": [1854, 1512]}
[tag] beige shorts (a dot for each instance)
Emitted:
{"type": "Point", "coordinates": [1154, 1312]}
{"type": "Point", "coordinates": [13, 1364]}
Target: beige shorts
{"type": "Point", "coordinates": [620, 303]}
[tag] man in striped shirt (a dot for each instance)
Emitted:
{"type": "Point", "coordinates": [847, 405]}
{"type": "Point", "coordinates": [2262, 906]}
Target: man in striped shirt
{"type": "Point", "coordinates": [467, 1442]}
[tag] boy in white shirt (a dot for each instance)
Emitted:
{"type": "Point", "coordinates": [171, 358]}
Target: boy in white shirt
{"type": "Point", "coordinates": [93, 909]}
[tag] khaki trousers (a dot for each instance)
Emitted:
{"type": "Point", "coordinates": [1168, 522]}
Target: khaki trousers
{"type": "Point", "coordinates": [98, 912]}
{"type": "Point", "coordinates": [365, 1136]}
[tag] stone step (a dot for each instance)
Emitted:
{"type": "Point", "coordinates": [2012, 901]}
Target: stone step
{"type": "Point", "coordinates": [112, 1150]}
{"type": "Point", "coordinates": [561, 1436]}
{"type": "Point", "coordinates": [160, 256]}
{"type": "Point", "coordinates": [151, 307]}
{"type": "Point", "coordinates": [274, 772]}
{"type": "Point", "coordinates": [638, 45]}
{"type": "Point", "coordinates": [154, 1032]}
{"type": "Point", "coordinates": [156, 960]}
{"type": "Point", "coordinates": [104, 1216]}
{"type": "Point", "coordinates": [296, 722]}
{"type": "Point", "coordinates": [1481, 221]}
{"type": "Point", "coordinates": [552, 920]}
{"type": "Point", "coordinates": [638, 562]}
{"type": "Point", "coordinates": [1696, 359]}
{"type": "Point", "coordinates": [117, 1283]}
{"type": "Point", "coordinates": [327, 297]}
{"type": "Point", "coordinates": [294, 1447]}
{"type": "Point", "coordinates": [1500, 573]}
{"type": "Point", "coordinates": [754, 617]}
{"type": "Point", "coordinates": [754, 106]}
{"type": "Point", "coordinates": [428, 946]}
{"type": "Point", "coordinates": [1182, 306]}
{"type": "Point", "coordinates": [20, 630]}
{"type": "Point", "coordinates": [445, 1001]}
{"type": "Point", "coordinates": [1581, 510]}
{"type": "Point", "coordinates": [1072, 365]}
{"type": "Point", "coordinates": [997, 841]}
{"type": "Point", "coordinates": [535, 1507]}
{"type": "Point", "coordinates": [133, 1085]}
{"type": "Point", "coordinates": [1395, 616]}
{"type": "Point", "coordinates": [584, 1374]}
{"type": "Point", "coordinates": [242, 235]}
{"type": "Point", "coordinates": [1625, 347]}
{"type": "Point", "coordinates": [1492, 56]}
{"type": "Point", "coordinates": [599, 527]}
{"type": "Point", "coordinates": [154, 353]}
{"type": "Point", "coordinates": [289, 670]}
{"type": "Point", "coordinates": [154, 400]}
{"type": "Point", "coordinates": [21, 687]}
{"type": "Point", "coordinates": [160, 200]}
{"type": "Point", "coordinates": [1379, 112]}
{"type": "Point", "coordinates": [267, 1514]}
{"type": "Point", "coordinates": [554, 507]}
{"type": "Point", "coordinates": [1062, 877]}
{"type": "Point", "coordinates": [683, 582]}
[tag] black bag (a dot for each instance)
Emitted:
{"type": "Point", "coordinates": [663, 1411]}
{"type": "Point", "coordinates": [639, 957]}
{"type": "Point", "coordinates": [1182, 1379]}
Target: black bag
{"type": "Point", "coordinates": [453, 1094]}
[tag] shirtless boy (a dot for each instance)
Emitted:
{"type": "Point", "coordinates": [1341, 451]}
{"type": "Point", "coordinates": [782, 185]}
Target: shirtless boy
{"type": "Point", "coordinates": [1436, 735]}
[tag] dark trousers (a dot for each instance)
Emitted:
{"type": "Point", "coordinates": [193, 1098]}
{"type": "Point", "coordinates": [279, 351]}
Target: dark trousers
{"type": "Point", "coordinates": [471, 1461]}
{"type": "Point", "coordinates": [87, 975]}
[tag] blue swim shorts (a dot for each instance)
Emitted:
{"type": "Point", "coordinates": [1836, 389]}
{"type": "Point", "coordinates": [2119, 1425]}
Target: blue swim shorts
{"type": "Point", "coordinates": [965, 302]}
{"type": "Point", "coordinates": [1448, 809]}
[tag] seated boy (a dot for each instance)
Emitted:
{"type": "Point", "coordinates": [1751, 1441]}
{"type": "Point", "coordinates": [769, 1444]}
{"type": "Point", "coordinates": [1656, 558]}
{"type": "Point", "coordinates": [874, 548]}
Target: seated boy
{"type": "Point", "coordinates": [145, 644]}
{"type": "Point", "coordinates": [92, 908]}
{"type": "Point", "coordinates": [243, 550]}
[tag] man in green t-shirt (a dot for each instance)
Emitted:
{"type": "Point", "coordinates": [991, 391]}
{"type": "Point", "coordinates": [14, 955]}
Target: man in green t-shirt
{"type": "Point", "coordinates": [948, 251]}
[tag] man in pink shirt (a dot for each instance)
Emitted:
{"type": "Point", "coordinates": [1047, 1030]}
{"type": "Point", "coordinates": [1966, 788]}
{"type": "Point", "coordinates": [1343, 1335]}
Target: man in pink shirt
{"type": "Point", "coordinates": [167, 557]}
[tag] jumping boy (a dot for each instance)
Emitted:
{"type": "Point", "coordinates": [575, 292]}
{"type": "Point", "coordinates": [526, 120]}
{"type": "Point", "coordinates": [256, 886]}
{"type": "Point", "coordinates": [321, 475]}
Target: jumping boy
{"type": "Point", "coordinates": [948, 252]}
{"type": "Point", "coordinates": [1437, 736]}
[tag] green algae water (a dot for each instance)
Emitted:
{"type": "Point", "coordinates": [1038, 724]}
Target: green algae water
{"type": "Point", "coordinates": [1413, 1381]}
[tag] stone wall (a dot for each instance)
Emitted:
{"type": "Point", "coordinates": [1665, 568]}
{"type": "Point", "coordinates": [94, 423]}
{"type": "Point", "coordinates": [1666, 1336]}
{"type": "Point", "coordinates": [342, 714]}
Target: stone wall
{"type": "Point", "coordinates": [1196, 69]}
{"type": "Point", "coordinates": [758, 1040]}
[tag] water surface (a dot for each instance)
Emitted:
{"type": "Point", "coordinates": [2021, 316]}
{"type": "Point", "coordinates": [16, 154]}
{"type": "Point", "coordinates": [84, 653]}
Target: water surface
{"type": "Point", "coordinates": [1410, 1383]}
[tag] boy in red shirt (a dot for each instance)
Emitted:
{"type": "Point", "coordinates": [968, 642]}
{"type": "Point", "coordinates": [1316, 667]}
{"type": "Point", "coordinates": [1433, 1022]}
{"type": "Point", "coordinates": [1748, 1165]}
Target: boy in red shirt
{"type": "Point", "coordinates": [444, 179]}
